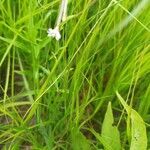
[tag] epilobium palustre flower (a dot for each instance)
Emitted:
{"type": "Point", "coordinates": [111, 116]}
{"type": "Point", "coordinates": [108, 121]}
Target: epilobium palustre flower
{"type": "Point", "coordinates": [55, 33]}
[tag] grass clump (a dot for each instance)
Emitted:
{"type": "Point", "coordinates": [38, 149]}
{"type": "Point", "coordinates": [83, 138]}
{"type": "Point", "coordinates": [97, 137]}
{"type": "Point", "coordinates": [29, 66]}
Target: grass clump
{"type": "Point", "coordinates": [54, 94]}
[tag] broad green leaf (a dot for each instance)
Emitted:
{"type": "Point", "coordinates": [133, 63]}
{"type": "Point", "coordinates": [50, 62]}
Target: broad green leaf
{"type": "Point", "coordinates": [101, 140]}
{"type": "Point", "coordinates": [138, 129]}
{"type": "Point", "coordinates": [110, 133]}
{"type": "Point", "coordinates": [79, 141]}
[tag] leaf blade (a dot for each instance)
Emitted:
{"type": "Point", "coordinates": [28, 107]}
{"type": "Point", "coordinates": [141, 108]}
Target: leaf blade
{"type": "Point", "coordinates": [138, 128]}
{"type": "Point", "coordinates": [110, 133]}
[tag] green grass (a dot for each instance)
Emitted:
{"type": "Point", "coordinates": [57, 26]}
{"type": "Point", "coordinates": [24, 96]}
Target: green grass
{"type": "Point", "coordinates": [55, 95]}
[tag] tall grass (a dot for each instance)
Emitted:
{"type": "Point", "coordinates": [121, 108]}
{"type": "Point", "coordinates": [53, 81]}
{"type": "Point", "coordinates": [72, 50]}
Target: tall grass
{"type": "Point", "coordinates": [54, 94]}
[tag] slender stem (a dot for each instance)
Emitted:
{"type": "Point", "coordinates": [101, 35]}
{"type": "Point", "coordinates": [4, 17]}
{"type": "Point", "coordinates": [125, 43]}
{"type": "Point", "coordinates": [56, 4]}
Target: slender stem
{"type": "Point", "coordinates": [65, 11]}
{"type": "Point", "coordinates": [62, 12]}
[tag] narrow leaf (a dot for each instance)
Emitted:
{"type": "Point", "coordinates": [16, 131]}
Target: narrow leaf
{"type": "Point", "coordinates": [110, 133]}
{"type": "Point", "coordinates": [138, 129]}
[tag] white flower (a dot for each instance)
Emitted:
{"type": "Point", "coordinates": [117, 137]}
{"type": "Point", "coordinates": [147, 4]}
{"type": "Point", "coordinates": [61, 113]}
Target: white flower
{"type": "Point", "coordinates": [54, 33]}
{"type": "Point", "coordinates": [61, 17]}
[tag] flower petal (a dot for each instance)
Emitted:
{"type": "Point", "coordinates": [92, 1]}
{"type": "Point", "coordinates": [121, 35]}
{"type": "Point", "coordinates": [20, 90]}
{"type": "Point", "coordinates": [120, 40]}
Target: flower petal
{"type": "Point", "coordinates": [54, 33]}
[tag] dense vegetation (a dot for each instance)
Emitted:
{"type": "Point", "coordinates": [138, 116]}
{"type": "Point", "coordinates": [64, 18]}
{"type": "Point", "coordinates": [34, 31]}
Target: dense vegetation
{"type": "Point", "coordinates": [90, 90]}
